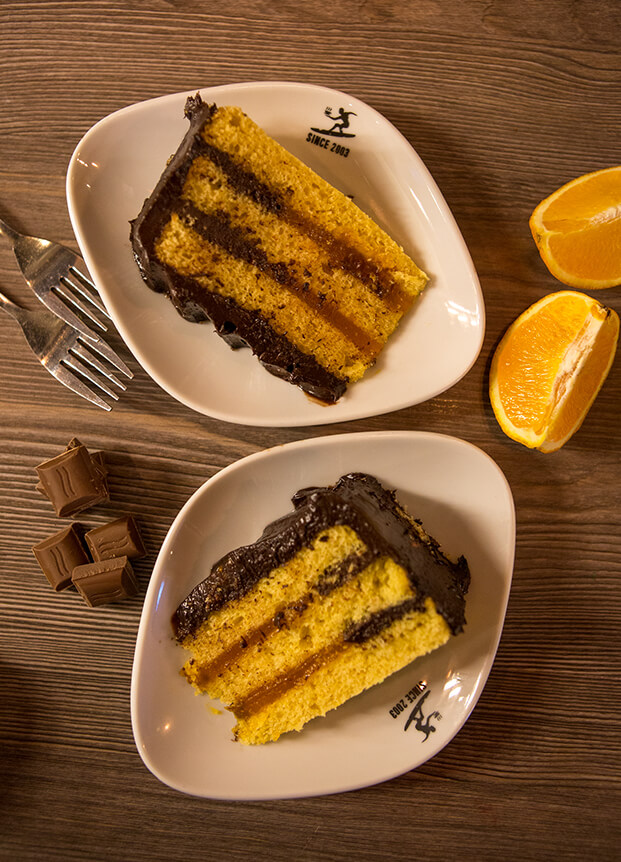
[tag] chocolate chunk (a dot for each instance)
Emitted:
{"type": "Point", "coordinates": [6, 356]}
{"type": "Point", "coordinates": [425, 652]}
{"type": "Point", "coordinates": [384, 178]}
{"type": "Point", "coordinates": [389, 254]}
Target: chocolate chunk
{"type": "Point", "coordinates": [100, 466]}
{"type": "Point", "coordinates": [59, 554]}
{"type": "Point", "coordinates": [105, 581]}
{"type": "Point", "coordinates": [74, 480]}
{"type": "Point", "coordinates": [117, 539]}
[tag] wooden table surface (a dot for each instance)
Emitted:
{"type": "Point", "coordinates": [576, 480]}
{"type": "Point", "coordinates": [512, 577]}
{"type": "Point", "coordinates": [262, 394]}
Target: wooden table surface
{"type": "Point", "coordinates": [504, 102]}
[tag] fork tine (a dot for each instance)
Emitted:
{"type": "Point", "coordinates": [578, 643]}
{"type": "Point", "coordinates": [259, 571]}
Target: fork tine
{"type": "Point", "coordinates": [64, 376]}
{"type": "Point", "coordinates": [60, 309]}
{"type": "Point", "coordinates": [85, 279]}
{"type": "Point", "coordinates": [70, 297]}
{"type": "Point", "coordinates": [85, 355]}
{"type": "Point", "coordinates": [108, 353]}
{"type": "Point", "coordinates": [85, 282]}
{"type": "Point", "coordinates": [76, 365]}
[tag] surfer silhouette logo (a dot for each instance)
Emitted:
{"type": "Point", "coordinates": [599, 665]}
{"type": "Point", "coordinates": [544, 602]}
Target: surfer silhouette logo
{"type": "Point", "coordinates": [422, 722]}
{"type": "Point", "coordinates": [341, 122]}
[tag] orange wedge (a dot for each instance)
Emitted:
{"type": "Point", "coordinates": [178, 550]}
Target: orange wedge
{"type": "Point", "coordinates": [549, 366]}
{"type": "Point", "coordinates": [578, 230]}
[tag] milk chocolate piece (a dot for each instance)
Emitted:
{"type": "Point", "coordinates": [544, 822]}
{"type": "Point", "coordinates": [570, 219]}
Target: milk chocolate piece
{"type": "Point", "coordinates": [74, 480]}
{"type": "Point", "coordinates": [100, 466]}
{"type": "Point", "coordinates": [105, 581]}
{"type": "Point", "coordinates": [59, 554]}
{"type": "Point", "coordinates": [117, 539]}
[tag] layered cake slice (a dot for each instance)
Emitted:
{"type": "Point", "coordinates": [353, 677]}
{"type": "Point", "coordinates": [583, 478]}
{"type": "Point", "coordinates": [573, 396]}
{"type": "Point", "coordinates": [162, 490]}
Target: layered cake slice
{"type": "Point", "coordinates": [334, 597]}
{"type": "Point", "coordinates": [240, 232]}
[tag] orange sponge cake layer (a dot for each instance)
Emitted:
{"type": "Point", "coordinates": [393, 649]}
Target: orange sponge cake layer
{"type": "Point", "coordinates": [332, 599]}
{"type": "Point", "coordinates": [240, 232]}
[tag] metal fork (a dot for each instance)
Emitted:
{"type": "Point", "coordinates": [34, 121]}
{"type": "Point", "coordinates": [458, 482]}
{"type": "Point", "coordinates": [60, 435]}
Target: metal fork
{"type": "Point", "coordinates": [55, 274]}
{"type": "Point", "coordinates": [63, 350]}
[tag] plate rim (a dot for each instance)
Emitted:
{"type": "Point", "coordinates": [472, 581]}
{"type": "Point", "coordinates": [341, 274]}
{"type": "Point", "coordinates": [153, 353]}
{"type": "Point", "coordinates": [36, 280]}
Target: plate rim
{"type": "Point", "coordinates": [155, 584]}
{"type": "Point", "coordinates": [285, 417]}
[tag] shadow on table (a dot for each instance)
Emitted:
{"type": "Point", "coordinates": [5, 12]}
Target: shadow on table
{"type": "Point", "coordinates": [17, 728]}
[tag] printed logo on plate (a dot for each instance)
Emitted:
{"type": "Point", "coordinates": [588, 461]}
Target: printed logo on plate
{"type": "Point", "coordinates": [418, 718]}
{"type": "Point", "coordinates": [336, 128]}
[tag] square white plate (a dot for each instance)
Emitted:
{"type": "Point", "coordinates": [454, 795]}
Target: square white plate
{"type": "Point", "coordinates": [463, 500]}
{"type": "Point", "coordinates": [116, 166]}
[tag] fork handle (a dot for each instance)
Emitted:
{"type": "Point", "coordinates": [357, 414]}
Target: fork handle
{"type": "Point", "coordinates": [13, 309]}
{"type": "Point", "coordinates": [7, 231]}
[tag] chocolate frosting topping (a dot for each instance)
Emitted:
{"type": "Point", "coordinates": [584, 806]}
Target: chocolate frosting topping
{"type": "Point", "coordinates": [356, 500]}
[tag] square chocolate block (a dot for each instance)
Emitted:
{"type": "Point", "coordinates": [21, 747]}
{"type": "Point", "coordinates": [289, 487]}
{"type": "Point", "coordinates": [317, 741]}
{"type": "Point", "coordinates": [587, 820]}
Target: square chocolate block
{"type": "Point", "coordinates": [74, 480]}
{"type": "Point", "coordinates": [59, 554]}
{"type": "Point", "coordinates": [120, 538]}
{"type": "Point", "coordinates": [105, 581]}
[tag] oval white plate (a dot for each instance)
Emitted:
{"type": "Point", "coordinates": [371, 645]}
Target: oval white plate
{"type": "Point", "coordinates": [115, 167]}
{"type": "Point", "coordinates": [464, 502]}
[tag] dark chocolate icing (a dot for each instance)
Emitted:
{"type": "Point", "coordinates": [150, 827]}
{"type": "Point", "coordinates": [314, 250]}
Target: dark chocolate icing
{"type": "Point", "coordinates": [377, 622]}
{"type": "Point", "coordinates": [238, 327]}
{"type": "Point", "coordinates": [359, 501]}
{"type": "Point", "coordinates": [242, 328]}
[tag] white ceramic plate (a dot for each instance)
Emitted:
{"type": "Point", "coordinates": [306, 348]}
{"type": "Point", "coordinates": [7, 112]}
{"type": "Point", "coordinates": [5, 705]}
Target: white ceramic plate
{"type": "Point", "coordinates": [115, 167]}
{"type": "Point", "coordinates": [464, 502]}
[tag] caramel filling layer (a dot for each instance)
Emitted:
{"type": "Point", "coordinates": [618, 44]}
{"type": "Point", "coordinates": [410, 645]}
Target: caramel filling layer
{"type": "Point", "coordinates": [261, 697]}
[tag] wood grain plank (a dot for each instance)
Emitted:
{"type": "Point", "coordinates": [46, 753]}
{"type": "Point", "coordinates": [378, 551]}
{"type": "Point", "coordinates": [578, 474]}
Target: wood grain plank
{"type": "Point", "coordinates": [504, 102]}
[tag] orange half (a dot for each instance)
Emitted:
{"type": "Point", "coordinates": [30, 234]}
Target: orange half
{"type": "Point", "coordinates": [578, 230]}
{"type": "Point", "coordinates": [549, 367]}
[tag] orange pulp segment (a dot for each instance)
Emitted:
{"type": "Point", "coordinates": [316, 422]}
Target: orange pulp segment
{"type": "Point", "coordinates": [577, 230]}
{"type": "Point", "coordinates": [549, 367]}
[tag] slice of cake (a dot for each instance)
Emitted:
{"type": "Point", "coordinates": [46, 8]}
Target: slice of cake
{"type": "Point", "coordinates": [334, 597]}
{"type": "Point", "coordinates": [240, 232]}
